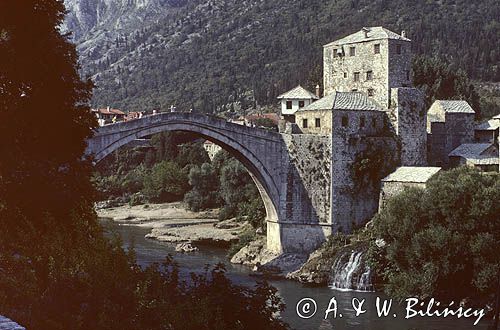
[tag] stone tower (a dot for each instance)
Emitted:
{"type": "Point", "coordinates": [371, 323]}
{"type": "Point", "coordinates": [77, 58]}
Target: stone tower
{"type": "Point", "coordinates": [372, 61]}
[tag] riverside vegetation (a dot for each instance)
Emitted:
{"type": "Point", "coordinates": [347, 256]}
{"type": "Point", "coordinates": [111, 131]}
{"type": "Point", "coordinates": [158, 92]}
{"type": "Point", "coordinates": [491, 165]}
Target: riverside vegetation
{"type": "Point", "coordinates": [58, 271]}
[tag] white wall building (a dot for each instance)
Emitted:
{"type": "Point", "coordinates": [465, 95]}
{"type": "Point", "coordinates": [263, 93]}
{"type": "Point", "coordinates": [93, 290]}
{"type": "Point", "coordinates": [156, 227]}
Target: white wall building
{"type": "Point", "coordinates": [295, 99]}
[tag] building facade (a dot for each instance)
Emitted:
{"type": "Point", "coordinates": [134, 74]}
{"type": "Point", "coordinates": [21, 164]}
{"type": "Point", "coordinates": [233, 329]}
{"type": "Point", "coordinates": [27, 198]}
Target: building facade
{"type": "Point", "coordinates": [373, 61]}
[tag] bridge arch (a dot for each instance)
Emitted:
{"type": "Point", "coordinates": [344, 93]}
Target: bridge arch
{"type": "Point", "coordinates": [112, 137]}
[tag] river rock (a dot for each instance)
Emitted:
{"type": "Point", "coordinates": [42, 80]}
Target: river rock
{"type": "Point", "coordinates": [185, 247]}
{"type": "Point", "coordinates": [316, 270]}
{"type": "Point", "coordinates": [266, 262]}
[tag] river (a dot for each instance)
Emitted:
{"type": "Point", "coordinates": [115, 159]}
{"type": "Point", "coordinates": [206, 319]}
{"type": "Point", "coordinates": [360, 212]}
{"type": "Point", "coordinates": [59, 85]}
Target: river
{"type": "Point", "coordinates": [149, 251]}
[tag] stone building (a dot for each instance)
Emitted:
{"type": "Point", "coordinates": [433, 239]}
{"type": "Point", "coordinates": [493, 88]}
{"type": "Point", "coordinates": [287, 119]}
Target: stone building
{"type": "Point", "coordinates": [405, 177]}
{"type": "Point", "coordinates": [488, 131]}
{"type": "Point", "coordinates": [369, 111]}
{"type": "Point", "coordinates": [483, 156]}
{"type": "Point", "coordinates": [373, 61]}
{"type": "Point", "coordinates": [294, 100]}
{"type": "Point", "coordinates": [450, 123]}
{"type": "Point", "coordinates": [347, 112]}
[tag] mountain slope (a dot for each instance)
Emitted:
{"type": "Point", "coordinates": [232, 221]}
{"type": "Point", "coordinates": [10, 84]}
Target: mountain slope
{"type": "Point", "coordinates": [221, 54]}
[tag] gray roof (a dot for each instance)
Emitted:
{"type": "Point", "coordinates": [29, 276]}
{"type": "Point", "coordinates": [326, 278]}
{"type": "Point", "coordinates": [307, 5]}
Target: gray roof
{"type": "Point", "coordinates": [373, 33]}
{"type": "Point", "coordinates": [455, 106]}
{"type": "Point", "coordinates": [490, 125]}
{"type": "Point", "coordinates": [6, 324]}
{"type": "Point", "coordinates": [476, 153]}
{"type": "Point", "coordinates": [412, 174]}
{"type": "Point", "coordinates": [468, 150]}
{"type": "Point", "coordinates": [344, 101]}
{"type": "Point", "coordinates": [299, 93]}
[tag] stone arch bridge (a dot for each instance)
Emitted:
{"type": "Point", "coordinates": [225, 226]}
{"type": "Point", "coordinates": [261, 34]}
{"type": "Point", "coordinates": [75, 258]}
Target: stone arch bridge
{"type": "Point", "coordinates": [297, 206]}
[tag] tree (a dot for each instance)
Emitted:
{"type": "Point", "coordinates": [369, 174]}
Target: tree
{"type": "Point", "coordinates": [58, 270]}
{"type": "Point", "coordinates": [443, 241]}
{"type": "Point", "coordinates": [205, 184]}
{"type": "Point", "coordinates": [439, 81]}
{"type": "Point", "coordinates": [167, 182]}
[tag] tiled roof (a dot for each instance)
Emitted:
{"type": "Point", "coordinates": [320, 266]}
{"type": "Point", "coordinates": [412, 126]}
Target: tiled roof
{"type": "Point", "coordinates": [343, 101]}
{"type": "Point", "coordinates": [412, 174]}
{"type": "Point", "coordinates": [109, 111]}
{"type": "Point", "coordinates": [455, 106]}
{"type": "Point", "coordinates": [476, 153]}
{"type": "Point", "coordinates": [271, 116]}
{"type": "Point", "coordinates": [298, 92]}
{"type": "Point", "coordinates": [372, 33]}
{"type": "Point", "coordinates": [490, 125]}
{"type": "Point", "coordinates": [6, 324]}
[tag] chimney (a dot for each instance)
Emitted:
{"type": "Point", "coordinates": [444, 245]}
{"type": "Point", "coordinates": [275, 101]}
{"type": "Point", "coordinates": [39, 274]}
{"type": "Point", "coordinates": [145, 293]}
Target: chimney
{"type": "Point", "coordinates": [317, 91]}
{"type": "Point", "coordinates": [403, 34]}
{"type": "Point", "coordinates": [366, 30]}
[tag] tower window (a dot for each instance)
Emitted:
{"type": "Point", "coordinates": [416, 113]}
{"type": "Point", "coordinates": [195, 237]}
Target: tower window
{"type": "Point", "coordinates": [288, 105]}
{"type": "Point", "coordinates": [301, 104]}
{"type": "Point", "coordinates": [356, 76]}
{"type": "Point", "coordinates": [362, 121]}
{"type": "Point", "coordinates": [376, 48]}
{"type": "Point", "coordinates": [371, 92]}
{"type": "Point", "coordinates": [304, 123]}
{"type": "Point", "coordinates": [369, 75]}
{"type": "Point", "coordinates": [317, 122]}
{"type": "Point", "coordinates": [398, 49]}
{"type": "Point", "coordinates": [352, 51]}
{"type": "Point", "coordinates": [345, 121]}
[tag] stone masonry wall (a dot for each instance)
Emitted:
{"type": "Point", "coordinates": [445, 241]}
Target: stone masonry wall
{"type": "Point", "coordinates": [309, 164]}
{"type": "Point", "coordinates": [339, 70]}
{"type": "Point", "coordinates": [408, 116]}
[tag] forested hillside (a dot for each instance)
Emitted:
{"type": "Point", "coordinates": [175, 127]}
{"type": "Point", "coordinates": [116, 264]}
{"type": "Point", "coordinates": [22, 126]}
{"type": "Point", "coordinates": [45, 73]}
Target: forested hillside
{"type": "Point", "coordinates": [222, 54]}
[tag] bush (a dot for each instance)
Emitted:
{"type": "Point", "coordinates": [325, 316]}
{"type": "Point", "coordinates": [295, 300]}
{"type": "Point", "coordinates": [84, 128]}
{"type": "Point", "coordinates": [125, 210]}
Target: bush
{"type": "Point", "coordinates": [443, 241]}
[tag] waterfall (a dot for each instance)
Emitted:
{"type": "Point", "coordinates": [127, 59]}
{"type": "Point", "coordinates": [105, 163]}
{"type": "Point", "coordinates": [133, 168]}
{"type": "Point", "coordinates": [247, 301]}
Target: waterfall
{"type": "Point", "coordinates": [351, 273]}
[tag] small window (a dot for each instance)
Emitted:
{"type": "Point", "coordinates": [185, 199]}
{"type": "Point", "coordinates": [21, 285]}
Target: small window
{"type": "Point", "coordinates": [345, 74]}
{"type": "Point", "coordinates": [288, 105]}
{"type": "Point", "coordinates": [376, 48]}
{"type": "Point", "coordinates": [335, 52]}
{"type": "Point", "coordinates": [354, 90]}
{"type": "Point", "coordinates": [352, 51]}
{"type": "Point", "coordinates": [317, 122]}
{"type": "Point", "coordinates": [362, 121]}
{"type": "Point", "coordinates": [398, 49]}
{"type": "Point", "coordinates": [304, 123]}
{"type": "Point", "coordinates": [369, 75]}
{"type": "Point", "coordinates": [371, 92]}
{"type": "Point", "coordinates": [301, 104]}
{"type": "Point", "coordinates": [345, 121]}
{"type": "Point", "coordinates": [356, 76]}
{"type": "Point", "coordinates": [407, 75]}
{"type": "Point", "coordinates": [374, 122]}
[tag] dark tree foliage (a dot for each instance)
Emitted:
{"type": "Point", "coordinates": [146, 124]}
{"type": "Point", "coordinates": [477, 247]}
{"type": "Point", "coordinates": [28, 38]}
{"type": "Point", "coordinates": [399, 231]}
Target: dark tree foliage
{"type": "Point", "coordinates": [439, 81]}
{"type": "Point", "coordinates": [443, 241]}
{"type": "Point", "coordinates": [223, 54]}
{"type": "Point", "coordinates": [58, 271]}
